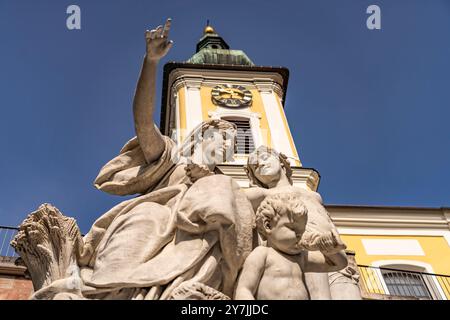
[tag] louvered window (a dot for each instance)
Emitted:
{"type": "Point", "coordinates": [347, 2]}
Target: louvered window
{"type": "Point", "coordinates": [245, 143]}
{"type": "Point", "coordinates": [406, 284]}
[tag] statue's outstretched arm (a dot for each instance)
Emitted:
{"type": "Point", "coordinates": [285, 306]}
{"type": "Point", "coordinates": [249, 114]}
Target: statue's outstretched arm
{"type": "Point", "coordinates": [326, 252]}
{"type": "Point", "coordinates": [149, 137]}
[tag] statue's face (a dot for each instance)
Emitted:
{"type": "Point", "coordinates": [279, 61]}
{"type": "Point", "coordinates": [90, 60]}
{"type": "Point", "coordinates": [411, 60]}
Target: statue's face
{"type": "Point", "coordinates": [285, 234]}
{"type": "Point", "coordinates": [218, 146]}
{"type": "Point", "coordinates": [268, 168]}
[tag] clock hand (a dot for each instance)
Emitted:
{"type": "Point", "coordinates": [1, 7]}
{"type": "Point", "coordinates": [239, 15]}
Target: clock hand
{"type": "Point", "coordinates": [229, 91]}
{"type": "Point", "coordinates": [238, 94]}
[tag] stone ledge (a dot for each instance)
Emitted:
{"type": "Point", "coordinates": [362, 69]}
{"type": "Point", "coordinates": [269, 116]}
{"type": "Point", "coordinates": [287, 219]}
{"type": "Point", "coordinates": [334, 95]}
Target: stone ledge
{"type": "Point", "coordinates": [8, 266]}
{"type": "Point", "coordinates": [377, 296]}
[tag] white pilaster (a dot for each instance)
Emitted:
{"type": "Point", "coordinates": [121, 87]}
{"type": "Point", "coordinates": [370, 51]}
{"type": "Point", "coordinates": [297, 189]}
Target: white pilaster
{"type": "Point", "coordinates": [193, 104]}
{"type": "Point", "coordinates": [177, 118]}
{"type": "Point", "coordinates": [278, 132]}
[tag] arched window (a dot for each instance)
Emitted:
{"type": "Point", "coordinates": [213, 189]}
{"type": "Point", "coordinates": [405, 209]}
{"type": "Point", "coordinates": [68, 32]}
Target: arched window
{"type": "Point", "coordinates": [409, 281]}
{"type": "Point", "coordinates": [406, 284]}
{"type": "Point", "coordinates": [245, 142]}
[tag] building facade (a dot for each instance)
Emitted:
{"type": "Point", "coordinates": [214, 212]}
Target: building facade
{"type": "Point", "coordinates": [401, 251]}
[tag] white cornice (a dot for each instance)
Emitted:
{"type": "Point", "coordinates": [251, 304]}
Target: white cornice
{"type": "Point", "coordinates": [301, 177]}
{"type": "Point", "coordinates": [447, 215]}
{"type": "Point", "coordinates": [263, 85]}
{"type": "Point", "coordinates": [308, 176]}
{"type": "Point", "coordinates": [389, 217]}
{"type": "Point", "coordinates": [8, 267]}
{"type": "Point", "coordinates": [193, 82]}
{"type": "Point", "coordinates": [268, 80]}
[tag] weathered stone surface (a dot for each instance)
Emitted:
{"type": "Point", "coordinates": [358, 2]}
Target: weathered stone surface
{"type": "Point", "coordinates": [197, 291]}
{"type": "Point", "coordinates": [276, 270]}
{"type": "Point", "coordinates": [344, 284]}
{"type": "Point", "coordinates": [48, 244]}
{"type": "Point", "coordinates": [301, 237]}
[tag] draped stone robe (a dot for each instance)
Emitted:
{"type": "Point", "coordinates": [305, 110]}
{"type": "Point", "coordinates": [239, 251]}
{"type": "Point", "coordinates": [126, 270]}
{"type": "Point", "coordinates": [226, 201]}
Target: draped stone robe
{"type": "Point", "coordinates": [174, 232]}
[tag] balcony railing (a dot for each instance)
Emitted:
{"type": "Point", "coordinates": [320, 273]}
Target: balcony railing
{"type": "Point", "coordinates": [6, 235]}
{"type": "Point", "coordinates": [386, 283]}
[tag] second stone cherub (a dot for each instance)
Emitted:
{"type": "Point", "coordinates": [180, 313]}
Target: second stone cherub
{"type": "Point", "coordinates": [276, 271]}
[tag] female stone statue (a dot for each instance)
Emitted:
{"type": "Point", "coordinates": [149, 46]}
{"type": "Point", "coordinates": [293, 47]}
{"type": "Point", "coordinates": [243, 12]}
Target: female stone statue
{"type": "Point", "coordinates": [188, 233]}
{"type": "Point", "coordinates": [152, 245]}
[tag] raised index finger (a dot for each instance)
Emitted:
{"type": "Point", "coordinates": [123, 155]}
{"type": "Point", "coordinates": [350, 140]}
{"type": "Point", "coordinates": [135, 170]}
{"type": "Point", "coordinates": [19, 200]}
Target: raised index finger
{"type": "Point", "coordinates": [166, 29]}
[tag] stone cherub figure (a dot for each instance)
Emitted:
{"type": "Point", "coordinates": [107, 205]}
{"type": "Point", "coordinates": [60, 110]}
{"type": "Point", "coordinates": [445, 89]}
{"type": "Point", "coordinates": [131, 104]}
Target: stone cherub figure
{"type": "Point", "coordinates": [270, 173]}
{"type": "Point", "coordinates": [276, 271]}
{"type": "Point", "coordinates": [185, 235]}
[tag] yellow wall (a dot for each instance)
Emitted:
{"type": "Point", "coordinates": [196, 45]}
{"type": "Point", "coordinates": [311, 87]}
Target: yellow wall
{"type": "Point", "coordinates": [207, 104]}
{"type": "Point", "coordinates": [436, 249]}
{"type": "Point", "coordinates": [182, 111]}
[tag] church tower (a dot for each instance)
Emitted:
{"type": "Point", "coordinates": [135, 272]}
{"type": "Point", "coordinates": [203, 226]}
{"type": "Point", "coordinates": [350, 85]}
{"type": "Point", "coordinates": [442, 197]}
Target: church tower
{"type": "Point", "coordinates": [221, 83]}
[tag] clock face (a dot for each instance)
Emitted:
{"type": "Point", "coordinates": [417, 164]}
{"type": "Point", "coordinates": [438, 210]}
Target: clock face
{"type": "Point", "coordinates": [228, 95]}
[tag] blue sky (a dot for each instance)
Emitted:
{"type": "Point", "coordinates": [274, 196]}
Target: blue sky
{"type": "Point", "coordinates": [369, 109]}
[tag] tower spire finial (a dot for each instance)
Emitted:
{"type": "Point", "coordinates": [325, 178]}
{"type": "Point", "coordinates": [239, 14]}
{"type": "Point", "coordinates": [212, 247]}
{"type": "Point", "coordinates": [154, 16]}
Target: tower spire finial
{"type": "Point", "coordinates": [208, 28]}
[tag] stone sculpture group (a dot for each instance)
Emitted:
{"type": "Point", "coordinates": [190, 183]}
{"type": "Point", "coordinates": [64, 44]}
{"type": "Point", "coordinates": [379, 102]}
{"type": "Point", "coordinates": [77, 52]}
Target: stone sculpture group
{"type": "Point", "coordinates": [192, 233]}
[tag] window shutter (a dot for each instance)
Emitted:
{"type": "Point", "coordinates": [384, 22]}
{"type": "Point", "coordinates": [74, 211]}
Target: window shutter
{"type": "Point", "coordinates": [245, 143]}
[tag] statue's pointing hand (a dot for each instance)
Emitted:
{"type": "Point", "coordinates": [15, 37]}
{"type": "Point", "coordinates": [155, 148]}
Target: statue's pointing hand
{"type": "Point", "coordinates": [157, 41]}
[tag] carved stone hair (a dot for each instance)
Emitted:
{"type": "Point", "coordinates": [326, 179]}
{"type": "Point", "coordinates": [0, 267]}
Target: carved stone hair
{"type": "Point", "coordinates": [197, 134]}
{"type": "Point", "coordinates": [252, 163]}
{"type": "Point", "coordinates": [273, 207]}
